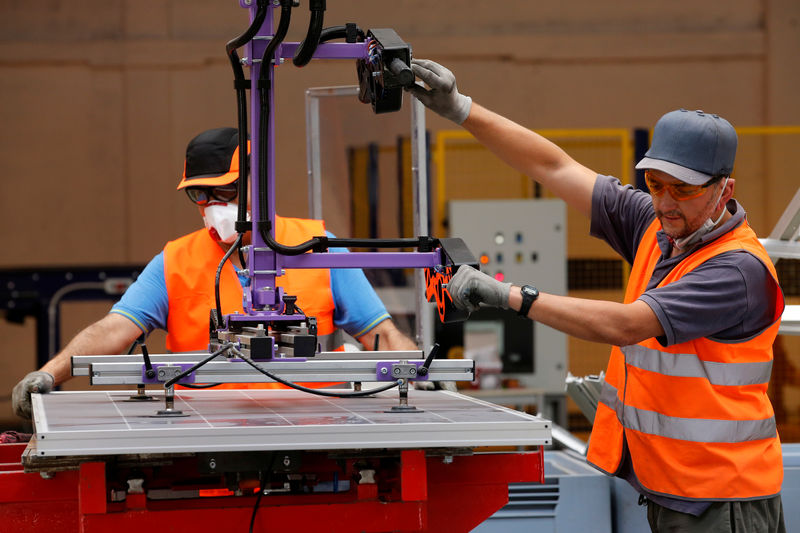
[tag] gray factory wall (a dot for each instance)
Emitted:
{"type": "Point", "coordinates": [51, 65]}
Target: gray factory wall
{"type": "Point", "coordinates": [98, 100]}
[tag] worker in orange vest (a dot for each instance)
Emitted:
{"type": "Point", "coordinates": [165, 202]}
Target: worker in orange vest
{"type": "Point", "coordinates": [684, 414]}
{"type": "Point", "coordinates": [175, 291]}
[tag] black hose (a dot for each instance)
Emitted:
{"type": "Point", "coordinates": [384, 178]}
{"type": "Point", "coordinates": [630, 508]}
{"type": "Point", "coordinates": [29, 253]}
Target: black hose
{"type": "Point", "coordinates": [264, 90]}
{"type": "Point", "coordinates": [242, 260]}
{"type": "Point", "coordinates": [235, 246]}
{"type": "Point", "coordinates": [249, 33]}
{"type": "Point", "coordinates": [261, 487]}
{"type": "Point", "coordinates": [322, 243]}
{"type": "Point", "coordinates": [197, 365]}
{"type": "Point", "coordinates": [240, 85]}
{"type": "Point", "coordinates": [320, 392]}
{"type": "Point", "coordinates": [419, 242]}
{"type": "Point", "coordinates": [307, 48]}
{"type": "Point", "coordinates": [277, 39]}
{"type": "Point", "coordinates": [196, 386]}
{"type": "Point", "coordinates": [339, 32]}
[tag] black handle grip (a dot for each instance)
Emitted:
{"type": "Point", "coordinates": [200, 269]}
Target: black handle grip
{"type": "Point", "coordinates": [402, 72]}
{"type": "Point", "coordinates": [423, 370]}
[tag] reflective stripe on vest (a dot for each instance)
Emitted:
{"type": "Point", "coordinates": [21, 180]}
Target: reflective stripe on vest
{"type": "Point", "coordinates": [696, 415]}
{"type": "Point", "coordinates": [694, 430]}
{"type": "Point", "coordinates": [688, 365]}
{"type": "Point", "coordinates": [330, 342]}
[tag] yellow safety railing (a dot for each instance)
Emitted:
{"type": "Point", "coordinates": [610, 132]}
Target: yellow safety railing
{"type": "Point", "coordinates": [444, 138]}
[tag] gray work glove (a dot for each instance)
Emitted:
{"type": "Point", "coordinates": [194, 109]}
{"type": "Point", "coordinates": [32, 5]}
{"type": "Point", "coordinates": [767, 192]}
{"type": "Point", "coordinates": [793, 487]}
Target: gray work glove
{"type": "Point", "coordinates": [436, 385]}
{"type": "Point", "coordinates": [470, 287]}
{"type": "Point", "coordinates": [442, 97]}
{"type": "Point", "coordinates": [39, 381]}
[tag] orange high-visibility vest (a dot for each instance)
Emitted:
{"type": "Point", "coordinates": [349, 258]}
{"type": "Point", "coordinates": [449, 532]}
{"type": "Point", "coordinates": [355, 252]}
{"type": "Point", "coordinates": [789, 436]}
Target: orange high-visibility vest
{"type": "Point", "coordinates": [696, 415]}
{"type": "Point", "coordinates": [190, 265]}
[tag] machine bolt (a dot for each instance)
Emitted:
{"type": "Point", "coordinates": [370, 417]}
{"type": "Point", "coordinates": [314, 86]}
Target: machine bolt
{"type": "Point", "coordinates": [212, 463]}
{"type": "Point", "coordinates": [286, 460]}
{"type": "Point", "coordinates": [396, 371]}
{"type": "Point", "coordinates": [412, 371]}
{"type": "Point", "coordinates": [384, 371]}
{"type": "Point", "coordinates": [136, 486]}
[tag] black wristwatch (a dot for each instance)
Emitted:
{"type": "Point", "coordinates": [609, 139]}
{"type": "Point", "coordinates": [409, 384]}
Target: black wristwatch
{"type": "Point", "coordinates": [529, 295]}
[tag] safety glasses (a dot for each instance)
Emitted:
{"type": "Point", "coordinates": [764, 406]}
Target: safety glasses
{"type": "Point", "coordinates": [680, 191]}
{"type": "Point", "coordinates": [204, 195]}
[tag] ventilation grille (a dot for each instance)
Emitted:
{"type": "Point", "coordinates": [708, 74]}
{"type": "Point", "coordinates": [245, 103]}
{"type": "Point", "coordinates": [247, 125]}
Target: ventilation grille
{"type": "Point", "coordinates": [531, 500]}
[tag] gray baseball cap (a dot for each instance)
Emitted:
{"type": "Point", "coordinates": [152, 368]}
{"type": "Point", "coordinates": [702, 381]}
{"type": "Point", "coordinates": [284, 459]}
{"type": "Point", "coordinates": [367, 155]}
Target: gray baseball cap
{"type": "Point", "coordinates": [692, 146]}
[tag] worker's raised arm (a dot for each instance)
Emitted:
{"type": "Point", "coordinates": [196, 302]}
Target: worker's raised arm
{"type": "Point", "coordinates": [113, 334]}
{"type": "Point", "coordinates": [519, 147]}
{"type": "Point", "coordinates": [534, 156]}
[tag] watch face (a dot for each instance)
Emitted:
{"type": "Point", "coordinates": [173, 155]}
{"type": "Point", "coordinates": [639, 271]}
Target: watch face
{"type": "Point", "coordinates": [529, 291]}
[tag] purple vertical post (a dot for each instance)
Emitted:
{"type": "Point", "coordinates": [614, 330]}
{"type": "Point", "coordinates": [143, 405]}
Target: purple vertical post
{"type": "Point", "coordinates": [261, 262]}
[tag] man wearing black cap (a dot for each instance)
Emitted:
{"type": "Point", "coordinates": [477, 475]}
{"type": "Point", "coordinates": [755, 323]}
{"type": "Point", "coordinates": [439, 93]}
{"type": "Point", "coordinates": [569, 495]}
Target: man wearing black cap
{"type": "Point", "coordinates": [684, 414]}
{"type": "Point", "coordinates": [176, 290]}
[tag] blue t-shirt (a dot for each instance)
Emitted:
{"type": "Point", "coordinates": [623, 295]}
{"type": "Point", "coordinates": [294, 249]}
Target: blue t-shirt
{"type": "Point", "coordinates": [357, 308]}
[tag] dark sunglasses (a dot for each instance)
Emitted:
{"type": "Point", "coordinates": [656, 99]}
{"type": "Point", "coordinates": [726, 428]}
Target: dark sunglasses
{"type": "Point", "coordinates": [204, 195]}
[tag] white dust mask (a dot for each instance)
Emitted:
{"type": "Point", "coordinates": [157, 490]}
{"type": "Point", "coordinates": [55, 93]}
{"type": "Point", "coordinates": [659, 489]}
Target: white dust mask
{"type": "Point", "coordinates": [220, 221]}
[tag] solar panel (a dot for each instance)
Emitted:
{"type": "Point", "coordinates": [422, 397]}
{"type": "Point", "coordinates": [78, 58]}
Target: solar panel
{"type": "Point", "coordinates": [108, 423]}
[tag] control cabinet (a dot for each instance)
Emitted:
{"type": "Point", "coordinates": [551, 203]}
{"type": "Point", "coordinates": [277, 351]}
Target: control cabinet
{"type": "Point", "coordinates": [522, 242]}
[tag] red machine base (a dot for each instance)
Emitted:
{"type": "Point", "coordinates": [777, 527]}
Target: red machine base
{"type": "Point", "coordinates": [409, 491]}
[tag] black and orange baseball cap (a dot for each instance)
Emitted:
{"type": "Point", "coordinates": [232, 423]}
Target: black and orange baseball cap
{"type": "Point", "coordinates": [212, 159]}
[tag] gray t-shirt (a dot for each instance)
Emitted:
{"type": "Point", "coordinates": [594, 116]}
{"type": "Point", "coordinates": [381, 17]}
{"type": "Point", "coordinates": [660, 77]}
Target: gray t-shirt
{"type": "Point", "coordinates": [731, 297]}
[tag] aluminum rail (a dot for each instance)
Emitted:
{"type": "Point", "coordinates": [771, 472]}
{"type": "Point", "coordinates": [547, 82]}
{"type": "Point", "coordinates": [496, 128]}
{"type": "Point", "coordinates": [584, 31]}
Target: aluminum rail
{"type": "Point", "coordinates": [131, 373]}
{"type": "Point", "coordinates": [81, 363]}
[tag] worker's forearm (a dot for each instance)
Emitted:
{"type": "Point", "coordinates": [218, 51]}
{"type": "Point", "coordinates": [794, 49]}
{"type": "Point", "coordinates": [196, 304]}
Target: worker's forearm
{"type": "Point", "coordinates": [397, 340]}
{"type": "Point", "coordinates": [593, 320]}
{"type": "Point", "coordinates": [59, 367]}
{"type": "Point", "coordinates": [534, 156]}
{"type": "Point", "coordinates": [111, 335]}
{"type": "Point", "coordinates": [389, 338]}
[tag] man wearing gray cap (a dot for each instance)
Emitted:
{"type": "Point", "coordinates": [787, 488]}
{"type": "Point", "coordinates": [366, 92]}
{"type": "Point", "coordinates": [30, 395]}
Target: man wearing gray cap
{"type": "Point", "coordinates": [684, 415]}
